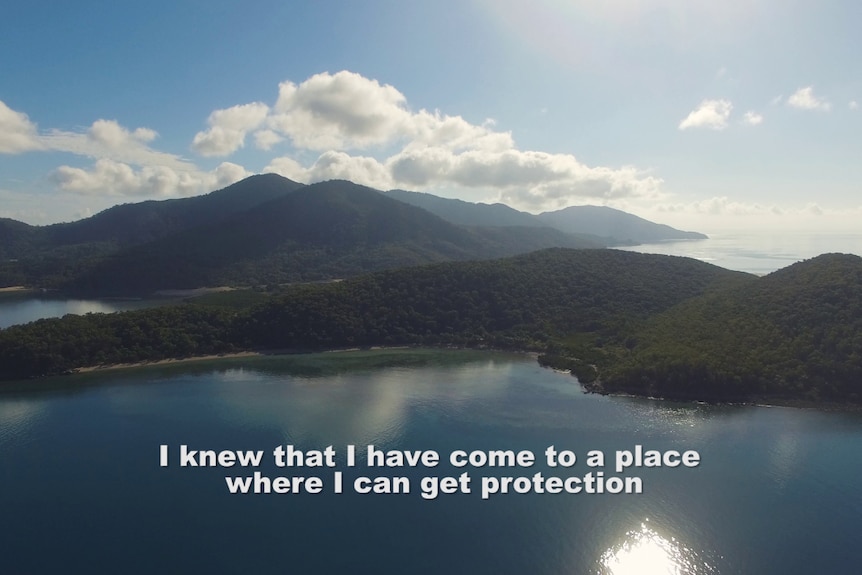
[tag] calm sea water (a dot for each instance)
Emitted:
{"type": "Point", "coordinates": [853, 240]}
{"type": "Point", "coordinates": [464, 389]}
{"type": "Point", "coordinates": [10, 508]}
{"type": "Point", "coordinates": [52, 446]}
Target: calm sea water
{"type": "Point", "coordinates": [23, 308]}
{"type": "Point", "coordinates": [81, 489]}
{"type": "Point", "coordinates": [759, 253]}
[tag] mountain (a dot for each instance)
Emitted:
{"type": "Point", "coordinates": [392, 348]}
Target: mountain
{"type": "Point", "coordinates": [131, 224]}
{"type": "Point", "coordinates": [52, 256]}
{"type": "Point", "coordinates": [323, 231]}
{"type": "Point", "coordinates": [467, 213]}
{"type": "Point", "coordinates": [16, 239]}
{"type": "Point", "coordinates": [611, 223]}
{"type": "Point", "coordinates": [596, 223]}
{"type": "Point", "coordinates": [267, 229]}
{"type": "Point", "coordinates": [138, 223]}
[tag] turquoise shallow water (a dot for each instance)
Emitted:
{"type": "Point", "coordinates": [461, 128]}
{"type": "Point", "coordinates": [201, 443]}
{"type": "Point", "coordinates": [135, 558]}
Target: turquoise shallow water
{"type": "Point", "coordinates": [81, 489]}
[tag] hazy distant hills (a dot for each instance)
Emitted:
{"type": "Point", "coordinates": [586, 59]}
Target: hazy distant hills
{"type": "Point", "coordinates": [269, 229]}
{"type": "Point", "coordinates": [614, 227]}
{"type": "Point", "coordinates": [608, 222]}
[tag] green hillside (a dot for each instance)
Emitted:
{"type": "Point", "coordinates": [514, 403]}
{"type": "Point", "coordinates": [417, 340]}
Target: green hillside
{"type": "Point", "coordinates": [525, 302]}
{"type": "Point", "coordinates": [795, 333]}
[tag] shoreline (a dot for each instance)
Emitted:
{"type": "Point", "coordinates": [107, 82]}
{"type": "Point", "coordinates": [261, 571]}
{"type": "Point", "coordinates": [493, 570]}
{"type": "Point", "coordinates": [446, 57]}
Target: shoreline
{"type": "Point", "coordinates": [586, 388]}
{"type": "Point", "coordinates": [264, 353]}
{"type": "Point", "coordinates": [158, 362]}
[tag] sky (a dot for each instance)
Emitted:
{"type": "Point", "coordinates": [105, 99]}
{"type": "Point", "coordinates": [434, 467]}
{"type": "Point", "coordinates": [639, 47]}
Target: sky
{"type": "Point", "coordinates": [708, 116]}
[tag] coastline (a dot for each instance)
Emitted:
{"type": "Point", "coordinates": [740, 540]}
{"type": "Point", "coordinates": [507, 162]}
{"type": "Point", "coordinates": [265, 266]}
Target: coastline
{"type": "Point", "coordinates": [587, 388]}
{"type": "Point", "coordinates": [593, 388]}
{"type": "Point", "coordinates": [157, 362]}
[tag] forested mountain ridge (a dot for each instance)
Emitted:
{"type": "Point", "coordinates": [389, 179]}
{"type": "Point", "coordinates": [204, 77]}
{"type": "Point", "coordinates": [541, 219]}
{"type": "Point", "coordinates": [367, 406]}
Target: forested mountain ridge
{"type": "Point", "coordinates": [623, 322]}
{"type": "Point", "coordinates": [329, 230]}
{"type": "Point", "coordinates": [16, 239]}
{"type": "Point", "coordinates": [262, 230]}
{"type": "Point", "coordinates": [523, 302]}
{"type": "Point", "coordinates": [795, 333]}
{"type": "Point", "coordinates": [55, 255]}
{"type": "Point", "coordinates": [600, 223]}
{"type": "Point", "coordinates": [137, 223]}
{"type": "Point", "coordinates": [467, 213]}
{"type": "Point", "coordinates": [608, 222]}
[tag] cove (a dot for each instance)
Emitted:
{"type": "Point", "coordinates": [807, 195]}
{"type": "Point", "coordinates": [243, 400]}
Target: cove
{"type": "Point", "coordinates": [775, 489]}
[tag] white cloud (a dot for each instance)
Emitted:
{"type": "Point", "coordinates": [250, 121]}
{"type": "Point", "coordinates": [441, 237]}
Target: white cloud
{"type": "Point", "coordinates": [532, 181]}
{"type": "Point", "coordinates": [752, 118]}
{"type": "Point", "coordinates": [266, 139]}
{"type": "Point", "coordinates": [343, 110]}
{"type": "Point", "coordinates": [17, 132]}
{"type": "Point", "coordinates": [712, 114]}
{"type": "Point", "coordinates": [804, 99]}
{"type": "Point", "coordinates": [346, 111]}
{"type": "Point", "coordinates": [125, 164]}
{"type": "Point", "coordinates": [228, 128]}
{"type": "Point", "coordinates": [853, 105]}
{"type": "Point", "coordinates": [107, 139]}
{"type": "Point", "coordinates": [112, 178]}
{"type": "Point", "coordinates": [339, 116]}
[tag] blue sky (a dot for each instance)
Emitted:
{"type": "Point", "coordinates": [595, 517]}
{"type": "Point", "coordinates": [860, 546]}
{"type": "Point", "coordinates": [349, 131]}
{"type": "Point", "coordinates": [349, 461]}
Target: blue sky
{"type": "Point", "coordinates": [708, 116]}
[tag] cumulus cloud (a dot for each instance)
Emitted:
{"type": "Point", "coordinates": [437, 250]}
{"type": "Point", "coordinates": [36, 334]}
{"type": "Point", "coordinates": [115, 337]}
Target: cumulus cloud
{"type": "Point", "coordinates": [361, 130]}
{"type": "Point", "coordinates": [125, 164]}
{"type": "Point", "coordinates": [712, 114]}
{"type": "Point", "coordinates": [110, 177]}
{"type": "Point", "coordinates": [853, 105]}
{"type": "Point", "coordinates": [17, 132]}
{"type": "Point", "coordinates": [804, 99]}
{"type": "Point", "coordinates": [228, 128]}
{"type": "Point", "coordinates": [529, 180]}
{"type": "Point", "coordinates": [341, 112]}
{"type": "Point", "coordinates": [752, 118]}
{"type": "Point", "coordinates": [346, 111]}
{"type": "Point", "coordinates": [266, 139]}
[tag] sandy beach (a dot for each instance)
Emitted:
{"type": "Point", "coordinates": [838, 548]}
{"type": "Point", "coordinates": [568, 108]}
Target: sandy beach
{"type": "Point", "coordinates": [113, 366]}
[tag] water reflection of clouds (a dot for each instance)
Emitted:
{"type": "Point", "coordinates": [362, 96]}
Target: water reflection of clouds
{"type": "Point", "coordinates": [353, 408]}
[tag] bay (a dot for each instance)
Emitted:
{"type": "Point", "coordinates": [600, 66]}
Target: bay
{"type": "Point", "coordinates": [25, 307]}
{"type": "Point", "coordinates": [758, 253]}
{"type": "Point", "coordinates": [81, 489]}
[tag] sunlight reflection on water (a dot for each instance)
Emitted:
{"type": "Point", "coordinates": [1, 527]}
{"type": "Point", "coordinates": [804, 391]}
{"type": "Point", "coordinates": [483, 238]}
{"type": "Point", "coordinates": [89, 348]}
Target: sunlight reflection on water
{"type": "Point", "coordinates": [645, 552]}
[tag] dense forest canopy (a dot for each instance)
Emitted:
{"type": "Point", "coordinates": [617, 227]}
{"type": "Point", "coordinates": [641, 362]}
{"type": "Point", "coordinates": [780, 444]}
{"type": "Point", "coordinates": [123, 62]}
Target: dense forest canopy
{"type": "Point", "coordinates": [622, 321]}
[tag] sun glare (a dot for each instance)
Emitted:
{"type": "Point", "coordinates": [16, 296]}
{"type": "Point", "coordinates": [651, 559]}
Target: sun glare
{"type": "Point", "coordinates": [646, 552]}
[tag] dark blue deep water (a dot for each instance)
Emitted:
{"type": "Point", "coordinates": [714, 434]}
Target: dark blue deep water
{"type": "Point", "coordinates": [81, 489]}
